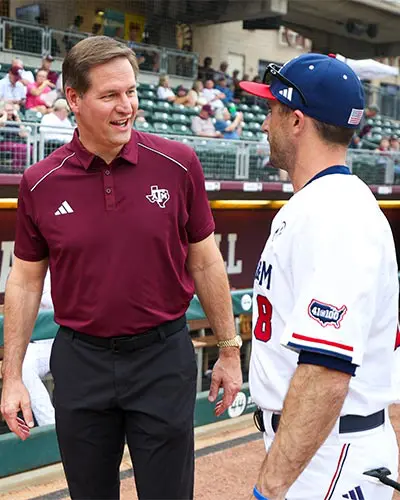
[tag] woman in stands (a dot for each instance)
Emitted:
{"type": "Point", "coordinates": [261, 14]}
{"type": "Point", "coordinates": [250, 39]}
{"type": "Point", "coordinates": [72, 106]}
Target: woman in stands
{"type": "Point", "coordinates": [196, 94]}
{"type": "Point", "coordinates": [13, 135]}
{"type": "Point", "coordinates": [165, 92]}
{"type": "Point", "coordinates": [35, 99]}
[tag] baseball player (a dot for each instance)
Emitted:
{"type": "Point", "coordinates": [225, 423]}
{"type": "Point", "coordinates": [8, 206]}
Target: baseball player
{"type": "Point", "coordinates": [325, 304]}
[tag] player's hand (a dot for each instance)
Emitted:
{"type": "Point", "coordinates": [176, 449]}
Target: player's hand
{"type": "Point", "coordinates": [15, 398]}
{"type": "Point", "coordinates": [227, 374]}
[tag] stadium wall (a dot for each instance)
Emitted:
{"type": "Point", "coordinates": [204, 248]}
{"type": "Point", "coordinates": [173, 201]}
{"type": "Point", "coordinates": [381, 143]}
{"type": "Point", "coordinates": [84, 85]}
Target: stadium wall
{"type": "Point", "coordinates": [218, 40]}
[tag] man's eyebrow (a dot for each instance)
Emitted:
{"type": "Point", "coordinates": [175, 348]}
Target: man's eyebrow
{"type": "Point", "coordinates": [113, 91]}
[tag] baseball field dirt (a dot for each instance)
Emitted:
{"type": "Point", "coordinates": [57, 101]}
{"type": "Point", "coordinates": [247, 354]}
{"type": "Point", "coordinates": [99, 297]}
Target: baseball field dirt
{"type": "Point", "coordinates": [227, 461]}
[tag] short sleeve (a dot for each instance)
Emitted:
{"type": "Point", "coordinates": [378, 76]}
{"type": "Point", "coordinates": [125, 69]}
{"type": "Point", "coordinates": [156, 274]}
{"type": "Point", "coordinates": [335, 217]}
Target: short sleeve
{"type": "Point", "coordinates": [335, 266]}
{"type": "Point", "coordinates": [200, 223]}
{"type": "Point", "coordinates": [29, 242]}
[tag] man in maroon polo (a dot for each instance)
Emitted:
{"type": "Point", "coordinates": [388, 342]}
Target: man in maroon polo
{"type": "Point", "coordinates": [123, 220]}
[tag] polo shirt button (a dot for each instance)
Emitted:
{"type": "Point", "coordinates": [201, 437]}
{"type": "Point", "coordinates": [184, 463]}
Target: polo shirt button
{"type": "Point", "coordinates": [107, 172]}
{"type": "Point", "coordinates": [108, 190]}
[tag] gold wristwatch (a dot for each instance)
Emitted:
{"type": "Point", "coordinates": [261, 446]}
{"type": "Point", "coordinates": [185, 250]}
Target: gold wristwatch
{"type": "Point", "coordinates": [235, 342]}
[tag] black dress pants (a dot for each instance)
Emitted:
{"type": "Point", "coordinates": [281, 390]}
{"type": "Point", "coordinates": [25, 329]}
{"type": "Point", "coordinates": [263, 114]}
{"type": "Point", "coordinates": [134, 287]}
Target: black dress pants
{"type": "Point", "coordinates": [146, 396]}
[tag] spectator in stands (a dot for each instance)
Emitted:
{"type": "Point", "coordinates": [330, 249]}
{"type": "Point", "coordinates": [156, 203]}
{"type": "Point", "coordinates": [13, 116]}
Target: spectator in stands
{"type": "Point", "coordinates": [202, 125]}
{"type": "Point", "coordinates": [52, 76]}
{"type": "Point", "coordinates": [26, 76]}
{"type": "Point", "coordinates": [237, 91]}
{"type": "Point", "coordinates": [14, 135]}
{"type": "Point", "coordinates": [214, 96]}
{"type": "Point", "coordinates": [222, 73]}
{"type": "Point", "coordinates": [52, 123]}
{"type": "Point", "coordinates": [222, 86]}
{"type": "Point", "coordinates": [36, 92]}
{"type": "Point", "coordinates": [394, 144]}
{"type": "Point", "coordinates": [257, 79]}
{"type": "Point", "coordinates": [383, 145]}
{"type": "Point", "coordinates": [11, 88]}
{"type": "Point", "coordinates": [165, 92]}
{"type": "Point", "coordinates": [36, 366]}
{"type": "Point", "coordinates": [355, 142]}
{"type": "Point", "coordinates": [230, 129]}
{"type": "Point", "coordinates": [206, 72]}
{"type": "Point", "coordinates": [196, 94]}
{"type": "Point", "coordinates": [369, 113]}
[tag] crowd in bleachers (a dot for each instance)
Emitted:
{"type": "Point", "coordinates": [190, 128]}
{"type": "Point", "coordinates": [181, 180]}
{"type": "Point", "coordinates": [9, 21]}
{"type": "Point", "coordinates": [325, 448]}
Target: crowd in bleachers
{"type": "Point", "coordinates": [214, 107]}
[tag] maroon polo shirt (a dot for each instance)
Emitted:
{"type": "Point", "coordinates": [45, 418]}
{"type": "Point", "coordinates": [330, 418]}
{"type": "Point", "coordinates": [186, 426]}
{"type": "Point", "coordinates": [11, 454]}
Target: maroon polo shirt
{"type": "Point", "coordinates": [116, 235]}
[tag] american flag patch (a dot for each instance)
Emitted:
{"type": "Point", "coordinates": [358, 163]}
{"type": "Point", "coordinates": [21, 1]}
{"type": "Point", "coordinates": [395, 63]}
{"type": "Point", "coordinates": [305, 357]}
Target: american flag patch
{"type": "Point", "coordinates": [355, 116]}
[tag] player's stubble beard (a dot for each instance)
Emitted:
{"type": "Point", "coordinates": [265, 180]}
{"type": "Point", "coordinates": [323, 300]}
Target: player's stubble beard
{"type": "Point", "coordinates": [283, 153]}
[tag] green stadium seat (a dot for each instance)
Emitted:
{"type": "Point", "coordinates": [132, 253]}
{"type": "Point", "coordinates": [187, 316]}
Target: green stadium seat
{"type": "Point", "coordinates": [146, 104]}
{"type": "Point", "coordinates": [146, 86]}
{"type": "Point", "coordinates": [181, 129]}
{"type": "Point", "coordinates": [260, 118]}
{"type": "Point", "coordinates": [162, 128]}
{"type": "Point", "coordinates": [248, 135]}
{"type": "Point", "coordinates": [147, 94]}
{"type": "Point", "coordinates": [254, 127]}
{"type": "Point", "coordinates": [164, 106]}
{"type": "Point", "coordinates": [243, 107]}
{"type": "Point", "coordinates": [249, 117]}
{"type": "Point", "coordinates": [159, 116]}
{"type": "Point", "coordinates": [144, 127]}
{"type": "Point", "coordinates": [255, 109]}
{"type": "Point", "coordinates": [180, 118]}
{"type": "Point", "coordinates": [33, 116]}
{"type": "Point", "coordinates": [376, 130]}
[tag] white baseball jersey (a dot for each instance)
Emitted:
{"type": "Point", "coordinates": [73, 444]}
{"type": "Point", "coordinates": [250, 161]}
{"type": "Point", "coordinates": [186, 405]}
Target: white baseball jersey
{"type": "Point", "coordinates": [327, 283]}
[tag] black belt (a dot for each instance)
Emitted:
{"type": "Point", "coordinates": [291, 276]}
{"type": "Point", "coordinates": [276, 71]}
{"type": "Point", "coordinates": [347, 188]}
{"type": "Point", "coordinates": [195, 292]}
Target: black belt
{"type": "Point", "coordinates": [348, 423]}
{"type": "Point", "coordinates": [132, 342]}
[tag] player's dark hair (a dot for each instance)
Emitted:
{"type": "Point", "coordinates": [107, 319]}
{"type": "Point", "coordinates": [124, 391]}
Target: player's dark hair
{"type": "Point", "coordinates": [333, 134]}
{"type": "Point", "coordinates": [91, 52]}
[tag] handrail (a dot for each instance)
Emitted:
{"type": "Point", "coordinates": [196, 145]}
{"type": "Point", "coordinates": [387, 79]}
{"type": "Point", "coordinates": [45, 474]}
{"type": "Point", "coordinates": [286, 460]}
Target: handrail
{"type": "Point", "coordinates": [34, 39]}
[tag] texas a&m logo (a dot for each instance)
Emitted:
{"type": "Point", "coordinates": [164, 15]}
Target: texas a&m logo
{"type": "Point", "coordinates": [159, 196]}
{"type": "Point", "coordinates": [326, 314]}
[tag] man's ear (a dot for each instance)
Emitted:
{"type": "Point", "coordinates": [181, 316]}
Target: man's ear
{"type": "Point", "coordinates": [298, 122]}
{"type": "Point", "coordinates": [73, 99]}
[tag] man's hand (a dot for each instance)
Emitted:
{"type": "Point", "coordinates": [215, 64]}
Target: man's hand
{"type": "Point", "coordinates": [227, 374]}
{"type": "Point", "coordinates": [15, 397]}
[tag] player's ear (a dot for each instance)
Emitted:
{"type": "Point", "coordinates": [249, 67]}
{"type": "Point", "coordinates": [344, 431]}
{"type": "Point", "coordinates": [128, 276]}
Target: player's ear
{"type": "Point", "coordinates": [298, 121]}
{"type": "Point", "coordinates": [73, 99]}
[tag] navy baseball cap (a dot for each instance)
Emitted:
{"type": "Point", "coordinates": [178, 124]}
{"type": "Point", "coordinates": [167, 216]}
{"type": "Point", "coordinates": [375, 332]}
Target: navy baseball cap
{"type": "Point", "coordinates": [320, 86]}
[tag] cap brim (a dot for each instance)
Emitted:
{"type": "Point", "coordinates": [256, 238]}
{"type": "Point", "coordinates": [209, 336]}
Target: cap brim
{"type": "Point", "coordinates": [258, 89]}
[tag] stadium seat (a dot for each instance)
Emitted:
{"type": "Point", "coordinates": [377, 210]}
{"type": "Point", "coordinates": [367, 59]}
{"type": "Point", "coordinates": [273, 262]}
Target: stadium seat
{"type": "Point", "coordinates": [146, 86]}
{"type": "Point", "coordinates": [243, 107]}
{"type": "Point", "coordinates": [163, 106]}
{"type": "Point", "coordinates": [249, 117]}
{"type": "Point", "coordinates": [248, 135]}
{"type": "Point", "coordinates": [144, 127]}
{"type": "Point", "coordinates": [181, 129]}
{"type": "Point", "coordinates": [180, 118]}
{"type": "Point", "coordinates": [159, 116]}
{"type": "Point", "coordinates": [147, 94]}
{"type": "Point", "coordinates": [260, 118]}
{"type": "Point", "coordinates": [162, 128]}
{"type": "Point", "coordinates": [255, 109]}
{"type": "Point", "coordinates": [146, 104]}
{"type": "Point", "coordinates": [254, 127]}
{"type": "Point", "coordinates": [33, 116]}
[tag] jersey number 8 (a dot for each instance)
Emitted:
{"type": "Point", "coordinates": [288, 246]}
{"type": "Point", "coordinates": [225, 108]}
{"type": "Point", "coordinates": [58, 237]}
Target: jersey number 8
{"type": "Point", "coordinates": [262, 330]}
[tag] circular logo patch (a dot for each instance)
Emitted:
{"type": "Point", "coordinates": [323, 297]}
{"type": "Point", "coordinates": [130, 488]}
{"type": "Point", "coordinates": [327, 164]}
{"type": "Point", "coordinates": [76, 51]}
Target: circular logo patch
{"type": "Point", "coordinates": [246, 302]}
{"type": "Point", "coordinates": [238, 406]}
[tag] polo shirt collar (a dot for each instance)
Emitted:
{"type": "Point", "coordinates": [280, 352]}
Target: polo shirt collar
{"type": "Point", "coordinates": [129, 152]}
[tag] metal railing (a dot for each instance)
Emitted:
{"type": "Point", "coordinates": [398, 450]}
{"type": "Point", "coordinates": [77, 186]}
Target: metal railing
{"type": "Point", "coordinates": [221, 159]}
{"type": "Point", "coordinates": [387, 98]}
{"type": "Point", "coordinates": [33, 39]}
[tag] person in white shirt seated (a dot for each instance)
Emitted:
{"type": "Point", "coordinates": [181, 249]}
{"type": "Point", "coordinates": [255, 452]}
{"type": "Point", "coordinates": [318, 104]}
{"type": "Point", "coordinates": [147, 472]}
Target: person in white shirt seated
{"type": "Point", "coordinates": [56, 124]}
{"type": "Point", "coordinates": [214, 96]}
{"type": "Point", "coordinates": [165, 93]}
{"type": "Point", "coordinates": [36, 367]}
{"type": "Point", "coordinates": [11, 88]}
